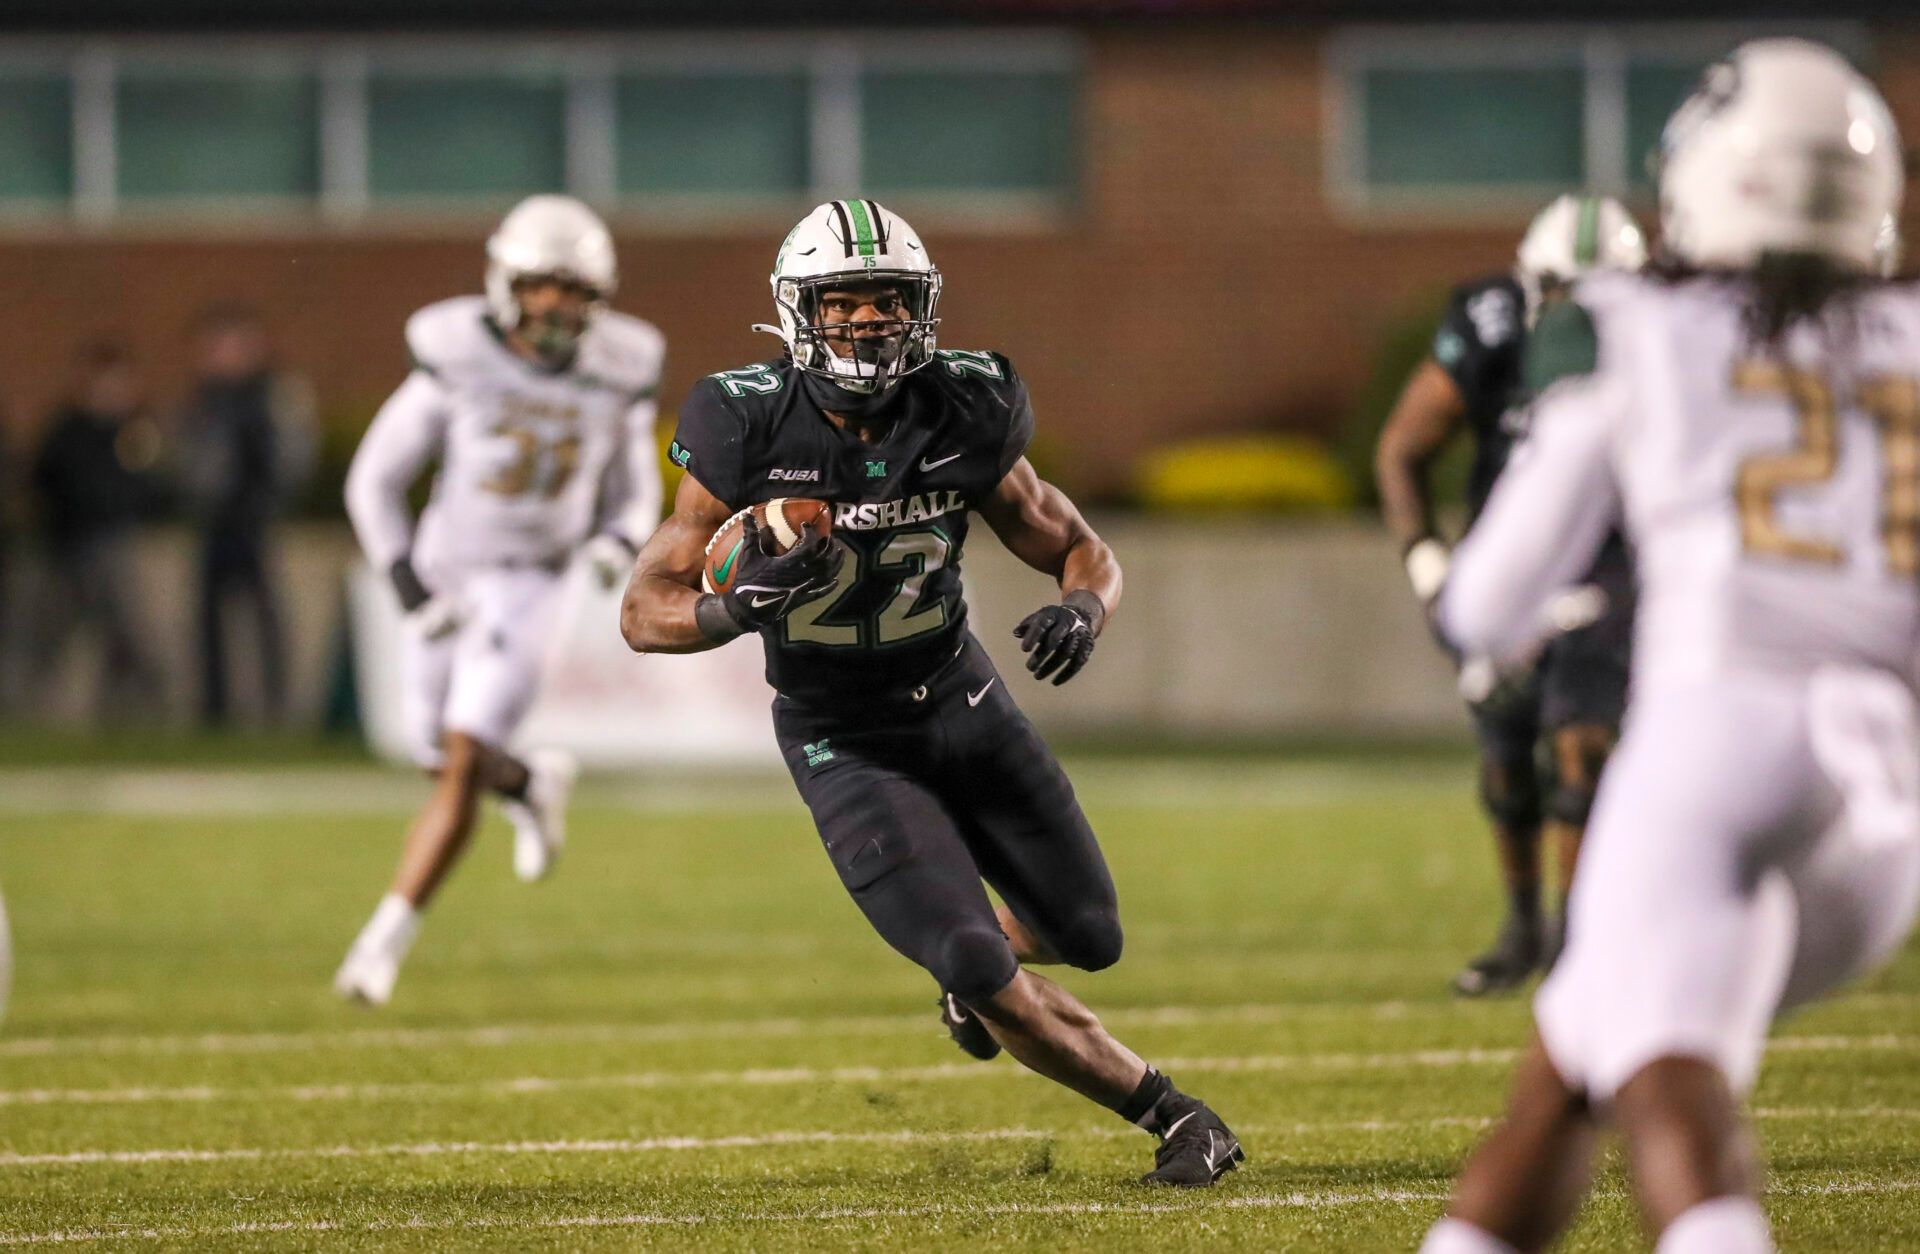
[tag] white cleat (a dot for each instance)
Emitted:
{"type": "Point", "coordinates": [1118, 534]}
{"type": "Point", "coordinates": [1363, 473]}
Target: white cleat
{"type": "Point", "coordinates": [367, 977]}
{"type": "Point", "coordinates": [540, 821]}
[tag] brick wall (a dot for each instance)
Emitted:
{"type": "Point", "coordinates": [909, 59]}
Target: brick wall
{"type": "Point", "coordinates": [1204, 284]}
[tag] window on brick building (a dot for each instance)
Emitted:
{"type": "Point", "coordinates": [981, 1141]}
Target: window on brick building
{"type": "Point", "coordinates": [240, 133]}
{"type": "Point", "coordinates": [684, 127]}
{"type": "Point", "coordinates": [486, 136]}
{"type": "Point", "coordinates": [36, 138]}
{"type": "Point", "coordinates": [1424, 122]}
{"type": "Point", "coordinates": [1519, 127]}
{"type": "Point", "coordinates": [711, 134]}
{"type": "Point", "coordinates": [970, 132]}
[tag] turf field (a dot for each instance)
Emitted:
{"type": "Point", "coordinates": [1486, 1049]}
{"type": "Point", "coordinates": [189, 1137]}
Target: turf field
{"type": "Point", "coordinates": [689, 1038]}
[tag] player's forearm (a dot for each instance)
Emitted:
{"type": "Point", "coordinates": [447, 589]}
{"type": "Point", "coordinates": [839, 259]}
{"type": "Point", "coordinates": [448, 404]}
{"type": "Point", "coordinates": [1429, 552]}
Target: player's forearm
{"type": "Point", "coordinates": [661, 615]}
{"type": "Point", "coordinates": [1405, 504]}
{"type": "Point", "coordinates": [1091, 568]}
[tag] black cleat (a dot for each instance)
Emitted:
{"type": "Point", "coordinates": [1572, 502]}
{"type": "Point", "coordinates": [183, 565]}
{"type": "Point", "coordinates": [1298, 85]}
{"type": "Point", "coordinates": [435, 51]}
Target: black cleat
{"type": "Point", "coordinates": [1195, 1151]}
{"type": "Point", "coordinates": [1516, 952]}
{"type": "Point", "coordinates": [967, 1031]}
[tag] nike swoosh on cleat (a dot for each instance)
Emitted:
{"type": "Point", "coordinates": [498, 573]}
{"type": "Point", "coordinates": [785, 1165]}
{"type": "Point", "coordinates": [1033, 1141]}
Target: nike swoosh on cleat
{"type": "Point", "coordinates": [1168, 1134]}
{"type": "Point", "coordinates": [973, 699]}
{"type": "Point", "coordinates": [926, 465]}
{"type": "Point", "coordinates": [956, 1010]}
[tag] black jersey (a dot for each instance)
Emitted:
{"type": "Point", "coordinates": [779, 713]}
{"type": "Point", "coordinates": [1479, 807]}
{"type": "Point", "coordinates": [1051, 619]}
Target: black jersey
{"type": "Point", "coordinates": [900, 507]}
{"type": "Point", "coordinates": [1481, 344]}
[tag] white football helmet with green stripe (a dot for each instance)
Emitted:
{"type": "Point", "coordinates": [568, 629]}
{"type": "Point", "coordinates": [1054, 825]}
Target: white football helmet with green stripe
{"type": "Point", "coordinates": [855, 243]}
{"type": "Point", "coordinates": [1576, 234]}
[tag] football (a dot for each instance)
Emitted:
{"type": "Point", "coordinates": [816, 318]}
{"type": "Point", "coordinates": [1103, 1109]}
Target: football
{"type": "Point", "coordinates": [787, 517]}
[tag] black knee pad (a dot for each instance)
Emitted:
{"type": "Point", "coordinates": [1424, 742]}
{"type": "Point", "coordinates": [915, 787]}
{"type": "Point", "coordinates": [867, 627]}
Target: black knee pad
{"type": "Point", "coordinates": [1510, 790]}
{"type": "Point", "coordinates": [1091, 941]}
{"type": "Point", "coordinates": [974, 963]}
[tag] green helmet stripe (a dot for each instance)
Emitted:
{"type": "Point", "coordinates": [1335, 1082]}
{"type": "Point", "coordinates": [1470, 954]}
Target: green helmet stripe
{"type": "Point", "coordinates": [862, 226]}
{"type": "Point", "coordinates": [1586, 236]}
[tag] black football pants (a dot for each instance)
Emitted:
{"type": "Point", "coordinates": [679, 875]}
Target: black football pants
{"type": "Point", "coordinates": [923, 794]}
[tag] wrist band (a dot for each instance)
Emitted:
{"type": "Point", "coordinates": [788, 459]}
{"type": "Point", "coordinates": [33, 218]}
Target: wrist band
{"type": "Point", "coordinates": [715, 621]}
{"type": "Point", "coordinates": [1089, 607]}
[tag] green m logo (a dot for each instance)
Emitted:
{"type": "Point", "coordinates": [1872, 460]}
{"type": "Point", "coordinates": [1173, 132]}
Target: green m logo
{"type": "Point", "coordinates": [876, 470]}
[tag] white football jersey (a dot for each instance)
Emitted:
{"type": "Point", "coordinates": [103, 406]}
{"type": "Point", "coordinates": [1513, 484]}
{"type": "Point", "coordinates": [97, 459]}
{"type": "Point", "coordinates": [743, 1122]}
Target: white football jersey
{"type": "Point", "coordinates": [532, 461]}
{"type": "Point", "coordinates": [1772, 501]}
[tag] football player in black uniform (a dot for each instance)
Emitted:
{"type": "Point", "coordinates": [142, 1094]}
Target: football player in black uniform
{"type": "Point", "coordinates": [923, 776]}
{"type": "Point", "coordinates": [1576, 693]}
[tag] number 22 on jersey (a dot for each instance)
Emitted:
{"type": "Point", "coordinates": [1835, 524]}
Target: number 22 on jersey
{"type": "Point", "coordinates": [1891, 401]}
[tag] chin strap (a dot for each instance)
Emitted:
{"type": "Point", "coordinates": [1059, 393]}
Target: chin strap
{"type": "Point", "coordinates": [837, 400]}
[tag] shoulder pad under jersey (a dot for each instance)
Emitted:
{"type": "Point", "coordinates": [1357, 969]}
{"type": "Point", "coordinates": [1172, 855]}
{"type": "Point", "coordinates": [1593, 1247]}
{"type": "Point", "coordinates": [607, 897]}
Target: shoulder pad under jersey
{"type": "Point", "coordinates": [449, 337]}
{"type": "Point", "coordinates": [622, 352]}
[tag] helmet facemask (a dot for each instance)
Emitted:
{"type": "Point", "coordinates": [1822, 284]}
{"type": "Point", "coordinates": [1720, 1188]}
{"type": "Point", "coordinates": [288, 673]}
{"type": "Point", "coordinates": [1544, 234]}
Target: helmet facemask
{"type": "Point", "coordinates": [883, 350]}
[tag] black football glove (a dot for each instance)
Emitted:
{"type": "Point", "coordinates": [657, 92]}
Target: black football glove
{"type": "Point", "coordinates": [1059, 638]}
{"type": "Point", "coordinates": [771, 584]}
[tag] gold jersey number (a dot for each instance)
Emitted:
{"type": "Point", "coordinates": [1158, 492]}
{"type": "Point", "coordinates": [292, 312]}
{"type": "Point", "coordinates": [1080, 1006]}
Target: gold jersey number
{"type": "Point", "coordinates": [540, 467]}
{"type": "Point", "coordinates": [1892, 401]}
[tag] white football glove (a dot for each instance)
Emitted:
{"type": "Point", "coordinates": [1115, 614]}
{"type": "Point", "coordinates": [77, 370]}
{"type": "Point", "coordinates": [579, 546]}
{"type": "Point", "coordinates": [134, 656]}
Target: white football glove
{"type": "Point", "coordinates": [435, 618]}
{"type": "Point", "coordinates": [1427, 564]}
{"type": "Point", "coordinates": [610, 559]}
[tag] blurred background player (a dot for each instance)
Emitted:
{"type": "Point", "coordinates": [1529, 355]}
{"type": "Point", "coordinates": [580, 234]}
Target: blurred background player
{"type": "Point", "coordinates": [1576, 690]}
{"type": "Point", "coordinates": [923, 776]}
{"type": "Point", "coordinates": [94, 486]}
{"type": "Point", "coordinates": [538, 402]}
{"type": "Point", "coordinates": [246, 450]}
{"type": "Point", "coordinates": [1751, 413]}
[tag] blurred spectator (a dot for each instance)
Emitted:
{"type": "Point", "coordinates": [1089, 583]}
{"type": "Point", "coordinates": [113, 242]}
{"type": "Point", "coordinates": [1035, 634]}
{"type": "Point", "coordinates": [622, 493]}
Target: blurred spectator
{"type": "Point", "coordinates": [93, 485]}
{"type": "Point", "coordinates": [247, 442]}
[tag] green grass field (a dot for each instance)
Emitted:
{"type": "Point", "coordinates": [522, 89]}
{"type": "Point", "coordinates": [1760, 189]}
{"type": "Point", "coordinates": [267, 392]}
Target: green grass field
{"type": "Point", "coordinates": [690, 1038]}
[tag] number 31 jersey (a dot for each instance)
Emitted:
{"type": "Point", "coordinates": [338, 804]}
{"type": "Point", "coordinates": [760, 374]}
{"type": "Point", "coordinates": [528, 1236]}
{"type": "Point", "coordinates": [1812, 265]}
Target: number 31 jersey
{"type": "Point", "coordinates": [900, 508]}
{"type": "Point", "coordinates": [532, 461]}
{"type": "Point", "coordinates": [1771, 493]}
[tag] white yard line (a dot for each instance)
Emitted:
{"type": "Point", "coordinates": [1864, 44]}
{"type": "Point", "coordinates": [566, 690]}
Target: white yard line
{"type": "Point", "coordinates": [176, 792]}
{"type": "Point", "coordinates": [771, 1140]}
{"type": "Point", "coordinates": [519, 1086]}
{"type": "Point", "coordinates": [1201, 1204]}
{"type": "Point", "coordinates": [502, 1035]}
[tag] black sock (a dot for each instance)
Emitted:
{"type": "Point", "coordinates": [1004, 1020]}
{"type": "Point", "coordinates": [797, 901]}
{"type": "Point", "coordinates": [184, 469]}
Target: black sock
{"type": "Point", "coordinates": [1142, 1104]}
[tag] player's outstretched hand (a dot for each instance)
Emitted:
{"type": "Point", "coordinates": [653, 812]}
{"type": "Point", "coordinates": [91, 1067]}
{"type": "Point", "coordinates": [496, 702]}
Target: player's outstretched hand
{"type": "Point", "coordinates": [610, 558]}
{"type": "Point", "coordinates": [1057, 639]}
{"type": "Point", "coordinates": [771, 584]}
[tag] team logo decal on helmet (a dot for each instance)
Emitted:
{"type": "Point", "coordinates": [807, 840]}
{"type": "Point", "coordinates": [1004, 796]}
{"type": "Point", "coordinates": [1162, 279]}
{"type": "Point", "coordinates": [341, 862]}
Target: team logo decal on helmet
{"type": "Point", "coordinates": [862, 246]}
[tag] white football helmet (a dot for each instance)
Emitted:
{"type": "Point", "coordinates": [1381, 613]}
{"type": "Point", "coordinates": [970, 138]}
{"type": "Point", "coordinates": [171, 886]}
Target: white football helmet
{"type": "Point", "coordinates": [553, 236]}
{"type": "Point", "coordinates": [855, 242]}
{"type": "Point", "coordinates": [1783, 148]}
{"type": "Point", "coordinates": [1573, 235]}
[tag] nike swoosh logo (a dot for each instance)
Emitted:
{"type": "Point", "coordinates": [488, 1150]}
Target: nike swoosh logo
{"type": "Point", "coordinates": [1210, 1165]}
{"type": "Point", "coordinates": [926, 465]}
{"type": "Point", "coordinates": [973, 698]}
{"type": "Point", "coordinates": [1175, 1127]}
{"type": "Point", "coordinates": [761, 603]}
{"type": "Point", "coordinates": [956, 1011]}
{"type": "Point", "coordinates": [726, 567]}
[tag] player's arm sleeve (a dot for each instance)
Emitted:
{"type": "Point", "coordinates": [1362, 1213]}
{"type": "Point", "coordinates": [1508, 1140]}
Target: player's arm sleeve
{"type": "Point", "coordinates": [1551, 508]}
{"type": "Point", "coordinates": [1019, 421]}
{"type": "Point", "coordinates": [709, 443]}
{"type": "Point", "coordinates": [630, 493]}
{"type": "Point", "coordinates": [404, 437]}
